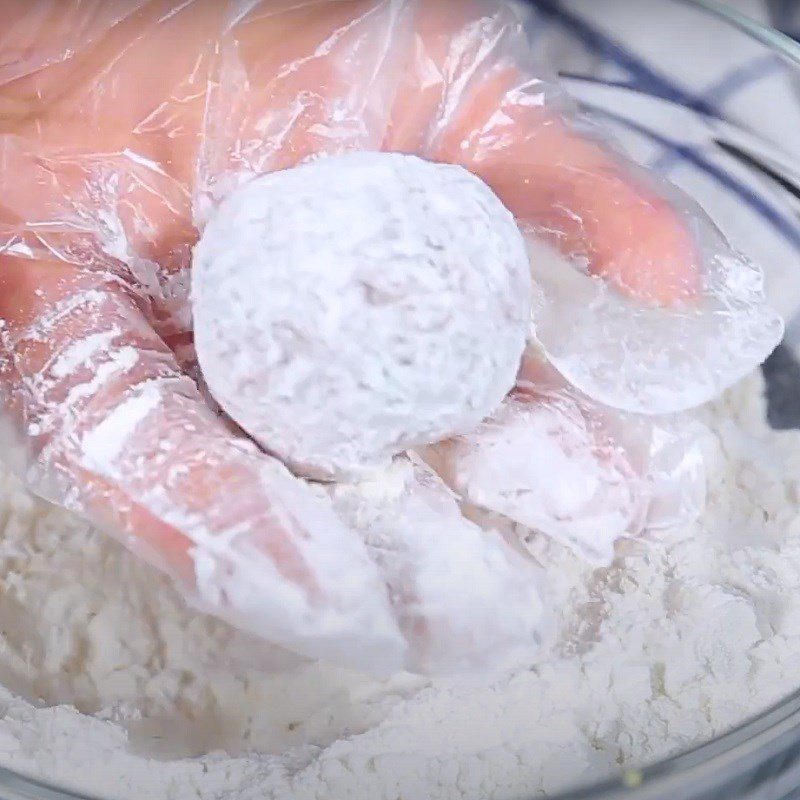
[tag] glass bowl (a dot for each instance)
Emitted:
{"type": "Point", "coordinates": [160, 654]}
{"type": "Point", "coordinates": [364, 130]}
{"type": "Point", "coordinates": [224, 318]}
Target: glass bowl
{"type": "Point", "coordinates": [719, 147]}
{"type": "Point", "coordinates": [720, 138]}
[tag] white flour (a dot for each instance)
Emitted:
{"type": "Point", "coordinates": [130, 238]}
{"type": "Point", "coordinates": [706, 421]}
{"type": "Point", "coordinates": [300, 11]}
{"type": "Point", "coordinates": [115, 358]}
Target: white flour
{"type": "Point", "coordinates": [671, 645]}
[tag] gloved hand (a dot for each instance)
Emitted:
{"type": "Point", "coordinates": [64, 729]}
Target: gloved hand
{"type": "Point", "coordinates": [123, 123]}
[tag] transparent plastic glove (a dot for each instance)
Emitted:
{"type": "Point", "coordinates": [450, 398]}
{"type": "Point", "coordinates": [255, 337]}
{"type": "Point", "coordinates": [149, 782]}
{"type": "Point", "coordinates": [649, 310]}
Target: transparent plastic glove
{"type": "Point", "coordinates": [106, 160]}
{"type": "Point", "coordinates": [663, 314]}
{"type": "Point", "coordinates": [461, 597]}
{"type": "Point", "coordinates": [586, 475]}
{"type": "Point", "coordinates": [661, 455]}
{"type": "Point", "coordinates": [117, 433]}
{"type": "Point", "coordinates": [121, 125]}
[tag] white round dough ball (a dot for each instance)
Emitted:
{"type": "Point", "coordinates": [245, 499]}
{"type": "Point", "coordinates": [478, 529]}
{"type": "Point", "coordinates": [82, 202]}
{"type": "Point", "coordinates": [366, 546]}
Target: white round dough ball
{"type": "Point", "coordinates": [360, 305]}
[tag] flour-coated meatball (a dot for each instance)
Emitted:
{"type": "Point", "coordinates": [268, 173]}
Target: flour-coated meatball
{"type": "Point", "coordinates": [357, 306]}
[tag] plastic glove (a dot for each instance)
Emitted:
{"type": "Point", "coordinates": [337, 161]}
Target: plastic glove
{"type": "Point", "coordinates": [586, 475]}
{"type": "Point", "coordinates": [123, 123]}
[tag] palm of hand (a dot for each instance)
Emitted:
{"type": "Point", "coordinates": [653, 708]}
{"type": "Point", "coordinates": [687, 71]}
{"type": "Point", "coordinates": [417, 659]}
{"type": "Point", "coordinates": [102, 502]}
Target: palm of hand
{"type": "Point", "coordinates": [122, 167]}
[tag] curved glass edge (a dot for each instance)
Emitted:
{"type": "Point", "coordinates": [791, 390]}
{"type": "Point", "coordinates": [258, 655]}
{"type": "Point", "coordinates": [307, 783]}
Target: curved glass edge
{"type": "Point", "coordinates": [762, 750]}
{"type": "Point", "coordinates": [785, 46]}
{"type": "Point", "coordinates": [16, 786]}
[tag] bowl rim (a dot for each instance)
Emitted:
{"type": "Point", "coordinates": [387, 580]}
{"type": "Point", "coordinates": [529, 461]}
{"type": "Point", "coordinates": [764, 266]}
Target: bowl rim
{"type": "Point", "coordinates": [715, 763]}
{"type": "Point", "coordinates": [781, 43]}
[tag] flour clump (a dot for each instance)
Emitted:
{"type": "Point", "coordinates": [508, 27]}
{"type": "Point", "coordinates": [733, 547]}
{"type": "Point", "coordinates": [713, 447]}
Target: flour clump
{"type": "Point", "coordinates": [357, 306]}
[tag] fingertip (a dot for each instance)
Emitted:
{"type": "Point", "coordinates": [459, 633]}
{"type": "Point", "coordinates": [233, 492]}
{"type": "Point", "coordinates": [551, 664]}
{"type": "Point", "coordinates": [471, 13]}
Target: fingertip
{"type": "Point", "coordinates": [646, 251]}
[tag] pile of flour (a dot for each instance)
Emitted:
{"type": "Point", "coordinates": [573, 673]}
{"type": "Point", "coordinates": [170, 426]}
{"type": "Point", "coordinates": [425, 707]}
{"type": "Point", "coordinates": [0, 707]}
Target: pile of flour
{"type": "Point", "coordinates": [113, 686]}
